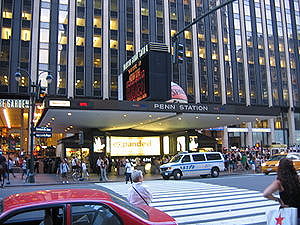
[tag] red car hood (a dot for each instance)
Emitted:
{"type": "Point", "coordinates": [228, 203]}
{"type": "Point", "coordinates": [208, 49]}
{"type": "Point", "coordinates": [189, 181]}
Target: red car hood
{"type": "Point", "coordinates": [157, 216]}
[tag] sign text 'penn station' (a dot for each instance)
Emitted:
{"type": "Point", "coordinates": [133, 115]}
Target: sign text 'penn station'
{"type": "Point", "coordinates": [180, 107]}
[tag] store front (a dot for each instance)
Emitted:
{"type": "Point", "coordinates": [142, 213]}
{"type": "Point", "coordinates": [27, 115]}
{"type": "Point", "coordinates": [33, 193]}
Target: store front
{"type": "Point", "coordinates": [14, 126]}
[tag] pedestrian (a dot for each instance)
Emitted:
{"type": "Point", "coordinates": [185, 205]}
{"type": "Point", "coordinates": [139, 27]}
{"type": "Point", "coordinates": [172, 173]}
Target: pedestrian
{"type": "Point", "coordinates": [102, 164]}
{"type": "Point", "coordinates": [24, 167]}
{"type": "Point", "coordinates": [128, 171]}
{"type": "Point", "coordinates": [138, 194]}
{"type": "Point", "coordinates": [63, 170]}
{"type": "Point", "coordinates": [74, 163]}
{"type": "Point", "coordinates": [99, 167]}
{"type": "Point", "coordinates": [287, 184]}
{"type": "Point", "coordinates": [10, 165]}
{"type": "Point", "coordinates": [85, 173]}
{"type": "Point", "coordinates": [252, 163]}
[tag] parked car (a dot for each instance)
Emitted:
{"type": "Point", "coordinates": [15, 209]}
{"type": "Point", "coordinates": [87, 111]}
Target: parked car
{"type": "Point", "coordinates": [76, 207]}
{"type": "Point", "coordinates": [193, 164]}
{"type": "Point", "coordinates": [272, 164]}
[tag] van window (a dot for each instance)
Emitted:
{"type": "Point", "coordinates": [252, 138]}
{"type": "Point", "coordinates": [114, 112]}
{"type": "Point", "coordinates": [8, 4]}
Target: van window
{"type": "Point", "coordinates": [293, 157]}
{"type": "Point", "coordinates": [213, 156]}
{"type": "Point", "coordinates": [186, 158]}
{"type": "Point", "coordinates": [198, 157]}
{"type": "Point", "coordinates": [175, 158]}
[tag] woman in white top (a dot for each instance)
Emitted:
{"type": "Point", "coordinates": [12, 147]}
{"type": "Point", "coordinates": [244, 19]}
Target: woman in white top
{"type": "Point", "coordinates": [138, 194]}
{"type": "Point", "coordinates": [128, 171]}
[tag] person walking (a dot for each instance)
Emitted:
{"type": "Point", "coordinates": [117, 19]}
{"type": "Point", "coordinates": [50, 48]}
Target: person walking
{"type": "Point", "coordinates": [63, 170]}
{"type": "Point", "coordinates": [128, 171]}
{"type": "Point", "coordinates": [138, 194]}
{"type": "Point", "coordinates": [287, 184]}
{"type": "Point", "coordinates": [85, 173]}
{"type": "Point", "coordinates": [24, 167]}
{"type": "Point", "coordinates": [10, 165]}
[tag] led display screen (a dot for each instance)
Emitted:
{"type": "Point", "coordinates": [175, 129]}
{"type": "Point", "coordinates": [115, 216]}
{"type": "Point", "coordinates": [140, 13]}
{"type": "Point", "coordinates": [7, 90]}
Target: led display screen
{"type": "Point", "coordinates": [134, 146]}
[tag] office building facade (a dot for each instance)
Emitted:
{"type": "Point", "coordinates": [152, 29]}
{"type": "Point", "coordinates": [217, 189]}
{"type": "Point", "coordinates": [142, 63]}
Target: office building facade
{"type": "Point", "coordinates": [246, 53]}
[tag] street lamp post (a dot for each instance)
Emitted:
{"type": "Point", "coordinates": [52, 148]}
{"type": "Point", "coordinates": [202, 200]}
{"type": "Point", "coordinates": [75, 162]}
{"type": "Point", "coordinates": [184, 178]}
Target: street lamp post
{"type": "Point", "coordinates": [34, 91]}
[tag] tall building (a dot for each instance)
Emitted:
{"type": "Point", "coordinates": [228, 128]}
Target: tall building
{"type": "Point", "coordinates": [246, 54]}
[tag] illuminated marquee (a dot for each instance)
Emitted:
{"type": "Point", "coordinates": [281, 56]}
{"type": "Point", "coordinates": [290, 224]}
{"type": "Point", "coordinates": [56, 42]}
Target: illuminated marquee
{"type": "Point", "coordinates": [147, 75]}
{"type": "Point", "coordinates": [134, 146]}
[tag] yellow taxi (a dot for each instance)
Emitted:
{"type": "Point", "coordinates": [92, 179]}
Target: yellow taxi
{"type": "Point", "coordinates": [272, 164]}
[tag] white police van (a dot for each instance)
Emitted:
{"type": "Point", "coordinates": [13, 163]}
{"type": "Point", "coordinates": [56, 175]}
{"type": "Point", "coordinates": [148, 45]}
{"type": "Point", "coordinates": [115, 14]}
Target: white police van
{"type": "Point", "coordinates": [193, 164]}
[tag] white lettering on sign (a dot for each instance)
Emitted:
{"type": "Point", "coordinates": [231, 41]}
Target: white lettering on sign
{"type": "Point", "coordinates": [14, 103]}
{"type": "Point", "coordinates": [179, 107]}
{"type": "Point", "coordinates": [134, 58]}
{"type": "Point", "coordinates": [164, 106]}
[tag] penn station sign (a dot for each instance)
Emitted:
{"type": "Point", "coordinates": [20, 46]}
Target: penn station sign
{"type": "Point", "coordinates": [14, 103]}
{"type": "Point", "coordinates": [180, 107]}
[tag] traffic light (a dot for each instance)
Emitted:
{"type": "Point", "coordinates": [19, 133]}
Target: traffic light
{"type": "Point", "coordinates": [180, 53]}
{"type": "Point", "coordinates": [81, 138]}
{"type": "Point", "coordinates": [41, 93]}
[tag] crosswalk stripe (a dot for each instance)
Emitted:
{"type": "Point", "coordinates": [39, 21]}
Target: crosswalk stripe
{"type": "Point", "coordinates": [200, 203]}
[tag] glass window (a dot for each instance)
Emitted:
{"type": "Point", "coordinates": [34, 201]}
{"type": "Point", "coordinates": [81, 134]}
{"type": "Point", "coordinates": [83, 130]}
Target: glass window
{"type": "Point", "coordinates": [213, 156]}
{"type": "Point", "coordinates": [198, 157]}
{"type": "Point", "coordinates": [44, 35]}
{"type": "Point", "coordinates": [41, 216]}
{"type": "Point", "coordinates": [186, 158]}
{"type": "Point", "coordinates": [25, 34]}
{"type": "Point", "coordinates": [114, 24]}
{"type": "Point", "coordinates": [43, 56]}
{"type": "Point", "coordinates": [45, 15]}
{"type": "Point", "coordinates": [6, 33]}
{"type": "Point", "coordinates": [94, 214]}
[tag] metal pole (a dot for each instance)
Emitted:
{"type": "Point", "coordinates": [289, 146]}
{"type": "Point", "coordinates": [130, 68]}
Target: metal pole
{"type": "Point", "coordinates": [33, 89]}
{"type": "Point", "coordinates": [31, 178]}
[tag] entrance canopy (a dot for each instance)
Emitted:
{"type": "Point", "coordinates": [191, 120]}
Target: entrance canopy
{"type": "Point", "coordinates": [72, 115]}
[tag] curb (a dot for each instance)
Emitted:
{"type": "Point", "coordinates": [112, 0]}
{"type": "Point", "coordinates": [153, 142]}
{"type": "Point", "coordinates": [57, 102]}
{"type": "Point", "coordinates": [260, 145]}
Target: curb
{"type": "Point", "coordinates": [92, 182]}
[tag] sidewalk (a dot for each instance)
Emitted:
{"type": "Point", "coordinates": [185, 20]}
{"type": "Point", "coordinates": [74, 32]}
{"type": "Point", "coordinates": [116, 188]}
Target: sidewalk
{"type": "Point", "coordinates": [54, 179]}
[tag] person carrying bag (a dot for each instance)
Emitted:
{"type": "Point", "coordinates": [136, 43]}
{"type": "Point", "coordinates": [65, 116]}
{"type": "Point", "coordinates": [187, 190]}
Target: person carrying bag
{"type": "Point", "coordinates": [288, 185]}
{"type": "Point", "coordinates": [138, 194]}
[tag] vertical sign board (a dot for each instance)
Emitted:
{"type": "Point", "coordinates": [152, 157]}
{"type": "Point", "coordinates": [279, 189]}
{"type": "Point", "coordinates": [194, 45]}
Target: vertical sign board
{"type": "Point", "coordinates": [147, 76]}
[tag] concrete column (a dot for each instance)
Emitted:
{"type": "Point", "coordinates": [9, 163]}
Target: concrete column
{"type": "Point", "coordinates": [35, 40]}
{"type": "Point", "coordinates": [244, 46]}
{"type": "Point", "coordinates": [105, 49]}
{"type": "Point", "coordinates": [137, 25]}
{"type": "Point", "coordinates": [71, 50]}
{"type": "Point", "coordinates": [291, 124]}
{"type": "Point", "coordinates": [271, 137]}
{"type": "Point", "coordinates": [287, 54]}
{"type": "Point", "coordinates": [221, 55]}
{"type": "Point", "coordinates": [249, 137]}
{"type": "Point", "coordinates": [195, 54]}
{"type": "Point", "coordinates": [167, 23]}
{"type": "Point", "coordinates": [225, 143]}
{"type": "Point", "coordinates": [266, 49]}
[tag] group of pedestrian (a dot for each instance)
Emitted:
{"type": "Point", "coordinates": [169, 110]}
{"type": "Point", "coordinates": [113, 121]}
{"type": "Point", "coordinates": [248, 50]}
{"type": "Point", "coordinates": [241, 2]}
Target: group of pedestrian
{"type": "Point", "coordinates": [238, 160]}
{"type": "Point", "coordinates": [76, 167]}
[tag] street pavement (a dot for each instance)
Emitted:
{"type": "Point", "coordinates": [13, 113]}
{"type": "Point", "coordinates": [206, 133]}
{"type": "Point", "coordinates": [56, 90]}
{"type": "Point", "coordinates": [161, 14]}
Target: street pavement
{"type": "Point", "coordinates": [192, 202]}
{"type": "Point", "coordinates": [50, 179]}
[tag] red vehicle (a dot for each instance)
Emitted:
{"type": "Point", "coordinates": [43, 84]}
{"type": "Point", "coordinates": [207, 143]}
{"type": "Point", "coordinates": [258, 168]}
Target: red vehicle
{"type": "Point", "coordinates": [76, 207]}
